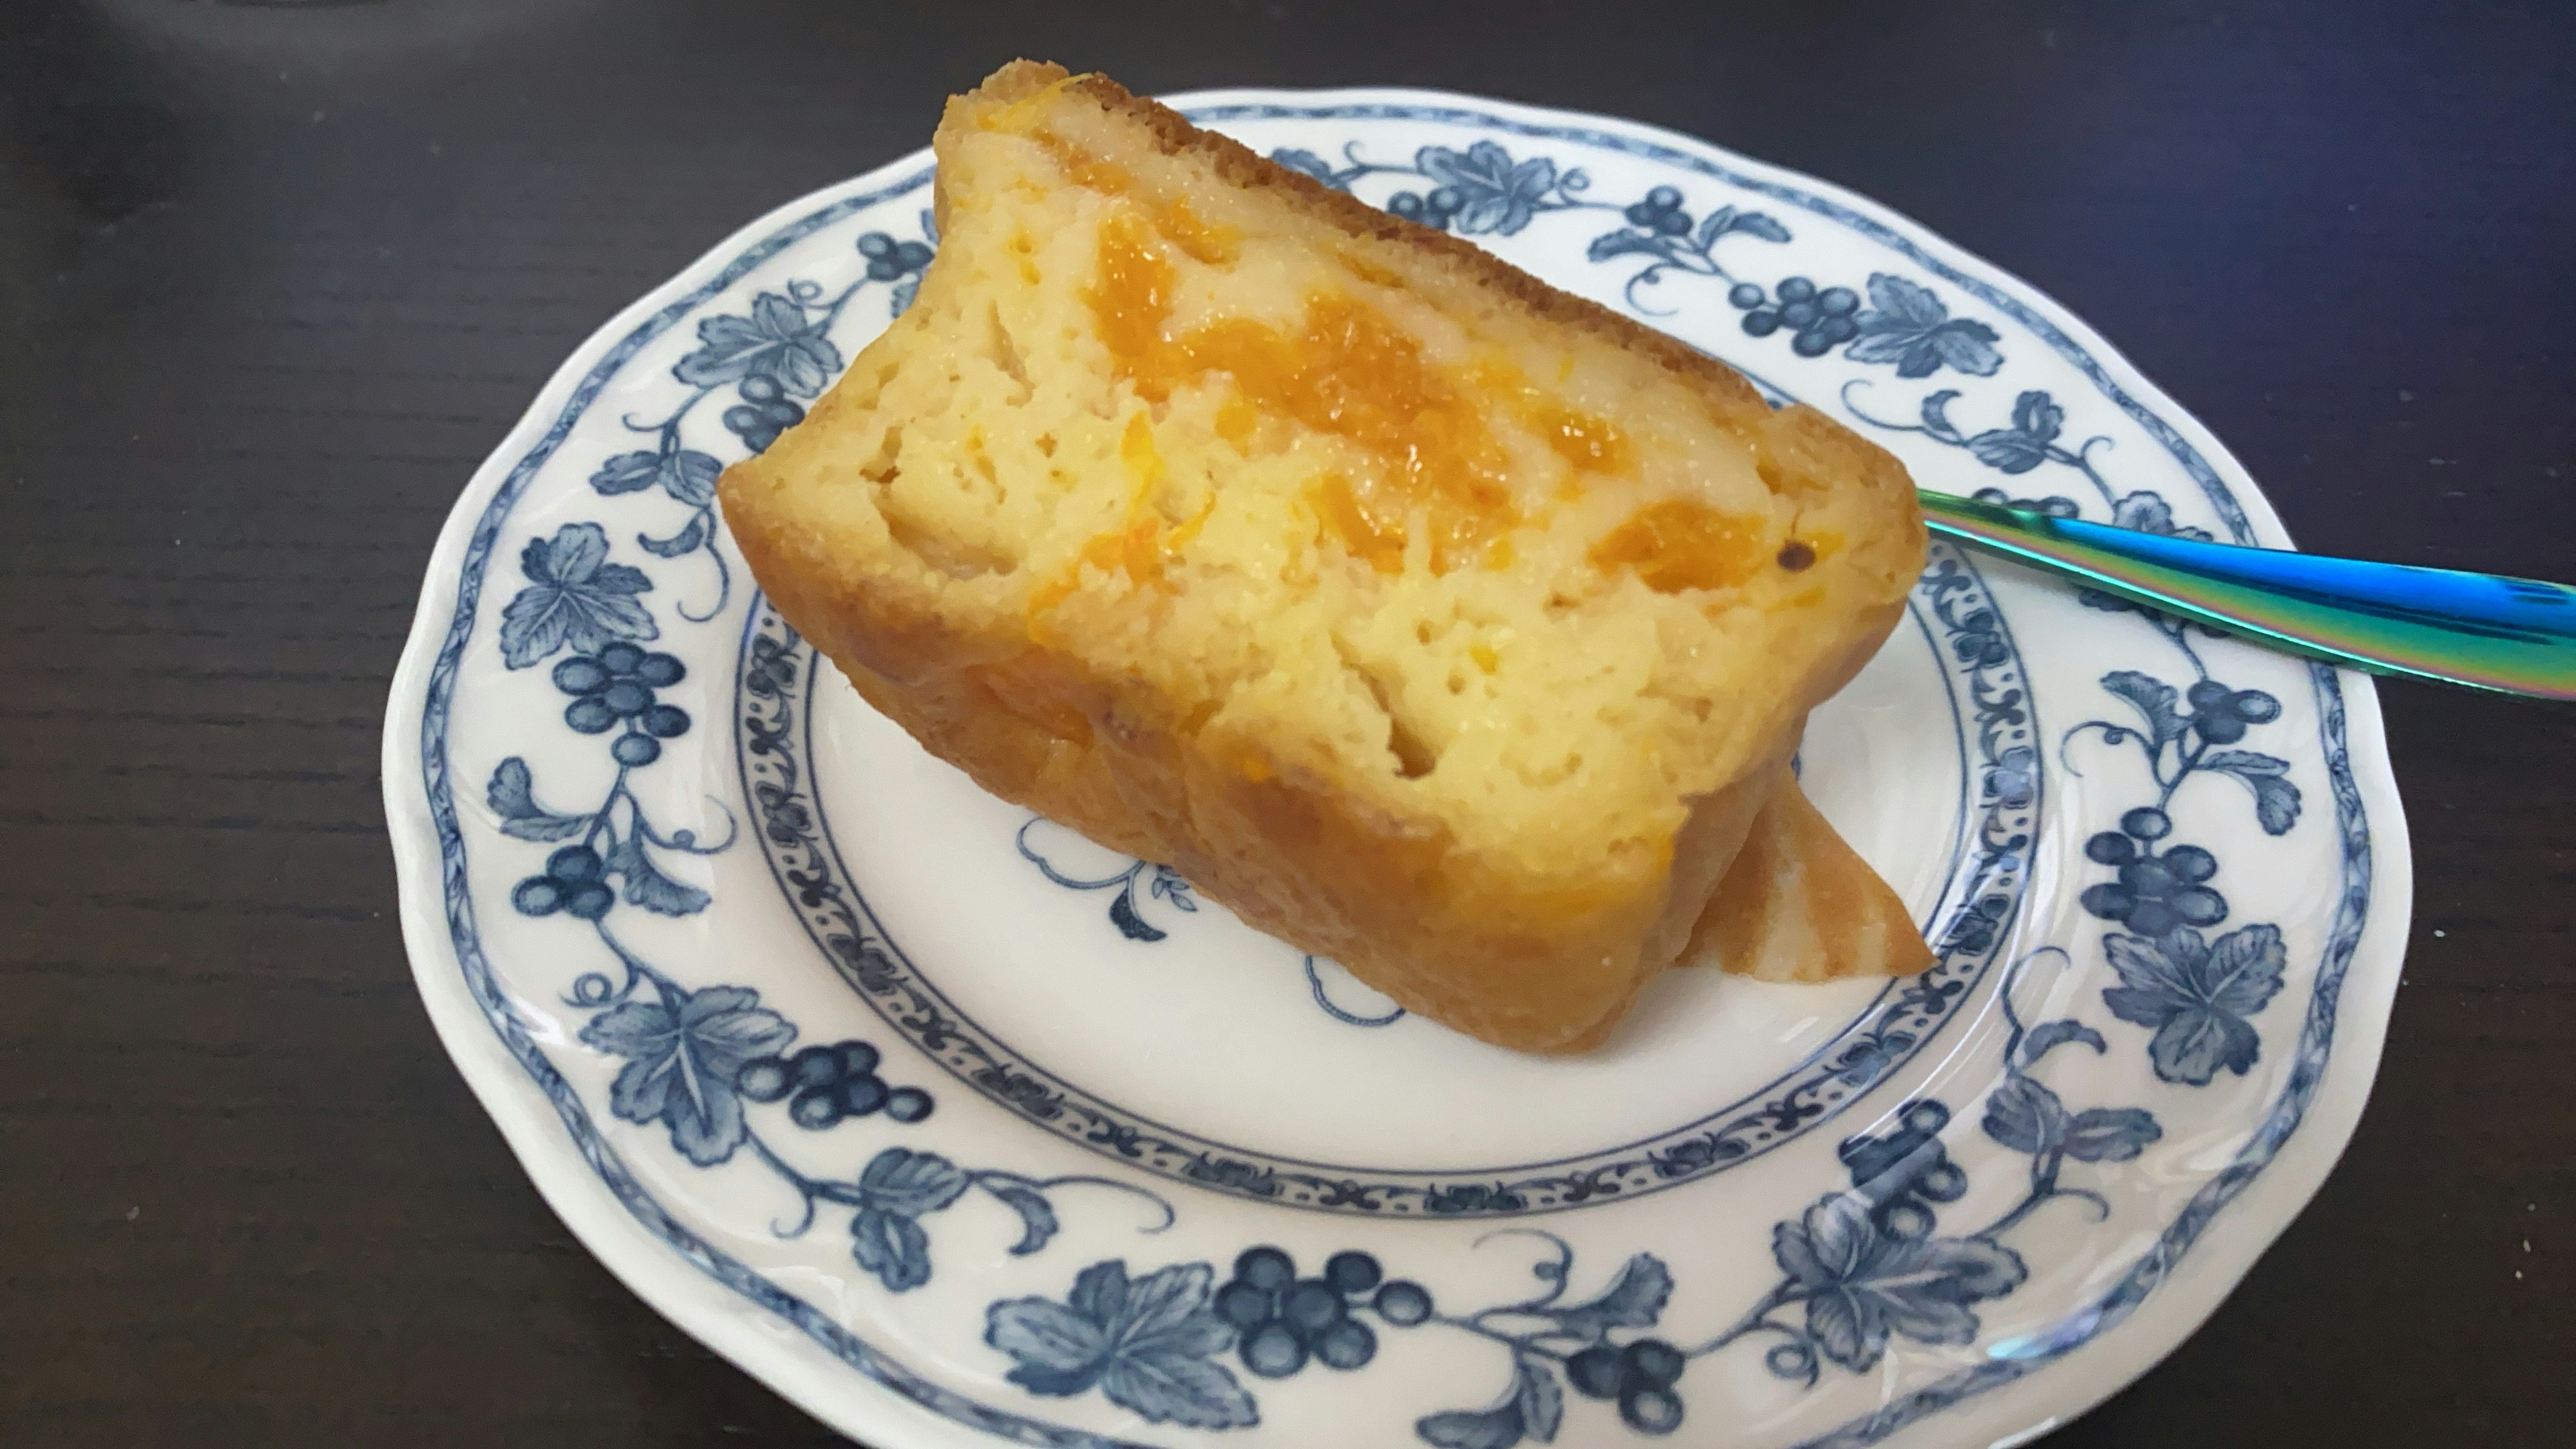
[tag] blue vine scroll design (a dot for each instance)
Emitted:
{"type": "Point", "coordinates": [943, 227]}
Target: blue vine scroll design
{"type": "Point", "coordinates": [1484, 190]}
{"type": "Point", "coordinates": [695, 1060]}
{"type": "Point", "coordinates": [1859, 1269]}
{"type": "Point", "coordinates": [1161, 882]}
{"type": "Point", "coordinates": [2197, 994]}
{"type": "Point", "coordinates": [776, 355]}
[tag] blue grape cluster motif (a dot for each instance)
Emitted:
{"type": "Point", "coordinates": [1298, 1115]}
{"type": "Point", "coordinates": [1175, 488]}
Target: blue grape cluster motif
{"type": "Point", "coordinates": [2220, 715]}
{"type": "Point", "coordinates": [571, 882]}
{"type": "Point", "coordinates": [2154, 893]}
{"type": "Point", "coordinates": [616, 686]}
{"type": "Point", "coordinates": [1437, 210]}
{"type": "Point", "coordinates": [1283, 1322]}
{"type": "Point", "coordinates": [1818, 320]}
{"type": "Point", "coordinates": [892, 261]}
{"type": "Point", "coordinates": [1906, 1172]}
{"type": "Point", "coordinates": [1661, 230]}
{"type": "Point", "coordinates": [826, 1085]}
{"type": "Point", "coordinates": [1904, 324]}
{"type": "Point", "coordinates": [1641, 1377]}
{"type": "Point", "coordinates": [1660, 213]}
{"type": "Point", "coordinates": [764, 412]}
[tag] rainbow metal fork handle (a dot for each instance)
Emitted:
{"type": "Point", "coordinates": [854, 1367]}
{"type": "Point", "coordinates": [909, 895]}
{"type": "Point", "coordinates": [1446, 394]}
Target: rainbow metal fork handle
{"type": "Point", "coordinates": [2514, 636]}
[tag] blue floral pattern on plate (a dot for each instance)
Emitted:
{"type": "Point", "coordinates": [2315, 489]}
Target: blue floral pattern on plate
{"type": "Point", "coordinates": [1925, 1264]}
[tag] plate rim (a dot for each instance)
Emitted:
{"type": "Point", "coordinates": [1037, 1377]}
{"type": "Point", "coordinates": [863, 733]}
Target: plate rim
{"type": "Point", "coordinates": [797, 1366]}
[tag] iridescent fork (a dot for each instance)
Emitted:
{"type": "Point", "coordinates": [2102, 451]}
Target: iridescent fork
{"type": "Point", "coordinates": [2484, 631]}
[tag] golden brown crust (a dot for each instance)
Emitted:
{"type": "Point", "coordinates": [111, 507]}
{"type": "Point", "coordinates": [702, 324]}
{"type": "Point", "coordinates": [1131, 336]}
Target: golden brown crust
{"type": "Point", "coordinates": [1470, 941]}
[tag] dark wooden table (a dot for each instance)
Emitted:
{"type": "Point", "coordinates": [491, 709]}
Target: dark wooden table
{"type": "Point", "coordinates": [274, 278]}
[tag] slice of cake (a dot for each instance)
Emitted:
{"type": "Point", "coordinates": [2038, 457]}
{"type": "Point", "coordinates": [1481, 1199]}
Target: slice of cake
{"type": "Point", "coordinates": [1431, 619]}
{"type": "Point", "coordinates": [1799, 904]}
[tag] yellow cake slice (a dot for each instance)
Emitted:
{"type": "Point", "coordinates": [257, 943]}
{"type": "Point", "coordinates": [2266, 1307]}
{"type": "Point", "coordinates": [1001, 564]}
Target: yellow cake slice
{"type": "Point", "coordinates": [1432, 619]}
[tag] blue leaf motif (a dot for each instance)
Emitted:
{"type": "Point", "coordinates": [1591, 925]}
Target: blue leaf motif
{"type": "Point", "coordinates": [2048, 1036]}
{"type": "Point", "coordinates": [2110, 1134]}
{"type": "Point", "coordinates": [2243, 969]}
{"type": "Point", "coordinates": [775, 341]}
{"type": "Point", "coordinates": [687, 540]}
{"type": "Point", "coordinates": [1310, 163]}
{"type": "Point", "coordinates": [2196, 994]}
{"type": "Point", "coordinates": [2154, 700]}
{"type": "Point", "coordinates": [2055, 505]}
{"type": "Point", "coordinates": [574, 597]}
{"type": "Point", "coordinates": [646, 885]}
{"type": "Point", "coordinates": [2009, 450]}
{"type": "Point", "coordinates": [1905, 324]}
{"type": "Point", "coordinates": [2035, 415]}
{"type": "Point", "coordinates": [1634, 1299]}
{"type": "Point", "coordinates": [1755, 223]}
{"type": "Point", "coordinates": [512, 795]}
{"type": "Point", "coordinates": [690, 477]}
{"type": "Point", "coordinates": [891, 1246]}
{"type": "Point", "coordinates": [908, 1184]}
{"type": "Point", "coordinates": [2025, 1116]}
{"type": "Point", "coordinates": [2024, 445]}
{"type": "Point", "coordinates": [1170, 886]}
{"type": "Point", "coordinates": [1495, 195]}
{"type": "Point", "coordinates": [1058, 1351]}
{"type": "Point", "coordinates": [1496, 1428]}
{"type": "Point", "coordinates": [2193, 1044]}
{"type": "Point", "coordinates": [685, 473]}
{"type": "Point", "coordinates": [627, 472]}
{"type": "Point", "coordinates": [1122, 914]}
{"type": "Point", "coordinates": [1862, 1285]}
{"type": "Point", "coordinates": [1179, 1388]}
{"type": "Point", "coordinates": [1148, 1344]}
{"type": "Point", "coordinates": [1037, 1216]}
{"type": "Point", "coordinates": [1626, 241]}
{"type": "Point", "coordinates": [894, 1190]}
{"type": "Point", "coordinates": [2147, 512]}
{"type": "Point", "coordinates": [1726, 220]}
{"type": "Point", "coordinates": [683, 1051]}
{"type": "Point", "coordinates": [1538, 1397]}
{"type": "Point", "coordinates": [2276, 800]}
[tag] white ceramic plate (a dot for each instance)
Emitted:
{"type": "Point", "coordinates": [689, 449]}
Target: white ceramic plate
{"type": "Point", "coordinates": [948, 1124]}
